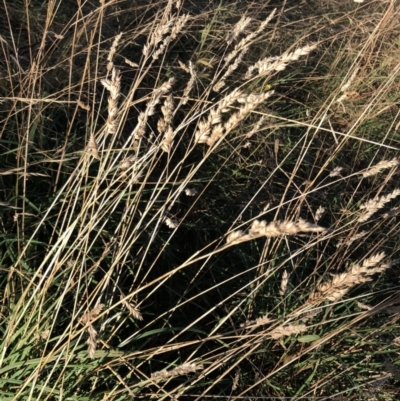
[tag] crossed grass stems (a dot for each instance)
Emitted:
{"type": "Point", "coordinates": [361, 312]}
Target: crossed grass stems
{"type": "Point", "coordinates": [112, 174]}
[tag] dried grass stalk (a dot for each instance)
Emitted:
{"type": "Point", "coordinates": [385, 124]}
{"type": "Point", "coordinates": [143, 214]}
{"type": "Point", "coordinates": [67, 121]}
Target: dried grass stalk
{"type": "Point", "coordinates": [131, 63]}
{"type": "Point", "coordinates": [373, 205]}
{"type": "Point", "coordinates": [205, 127]}
{"type": "Point", "coordinates": [92, 341]}
{"type": "Point", "coordinates": [235, 382]}
{"type": "Point", "coordinates": [273, 229]}
{"type": "Point", "coordinates": [167, 110]}
{"type": "Point", "coordinates": [336, 172]}
{"type": "Point", "coordinates": [86, 320]}
{"type": "Point", "coordinates": [191, 191]}
{"type": "Point", "coordinates": [183, 66]}
{"type": "Point", "coordinates": [392, 213]}
{"type": "Point", "coordinates": [177, 26]}
{"type": "Point", "coordinates": [150, 107]}
{"type": "Point", "coordinates": [167, 140]}
{"type": "Point", "coordinates": [126, 163]}
{"type": "Point", "coordinates": [171, 223]}
{"type": "Point", "coordinates": [190, 84]}
{"type": "Point", "coordinates": [157, 35]}
{"type": "Point", "coordinates": [91, 148]}
{"type": "Point", "coordinates": [351, 239]}
{"type": "Point", "coordinates": [239, 27]}
{"type": "Point", "coordinates": [89, 316]}
{"type": "Point", "coordinates": [221, 83]}
{"type": "Point", "coordinates": [306, 316]}
{"type": "Point", "coordinates": [335, 289]}
{"type": "Point", "coordinates": [284, 283]}
{"type": "Point", "coordinates": [209, 135]}
{"type": "Point", "coordinates": [178, 371]}
{"type": "Point", "coordinates": [271, 64]}
{"type": "Point", "coordinates": [382, 165]}
{"type": "Point", "coordinates": [83, 105]}
{"type": "Point", "coordinates": [262, 320]}
{"type": "Point", "coordinates": [363, 306]}
{"type": "Point", "coordinates": [346, 86]}
{"type": "Point", "coordinates": [113, 49]}
{"type": "Point", "coordinates": [133, 309]}
{"type": "Point", "coordinates": [287, 330]}
{"type": "Point", "coordinates": [319, 213]}
{"type": "Point", "coordinates": [250, 103]}
{"type": "Point", "coordinates": [113, 85]}
{"type": "Point", "coordinates": [256, 127]}
{"type": "Point", "coordinates": [246, 40]}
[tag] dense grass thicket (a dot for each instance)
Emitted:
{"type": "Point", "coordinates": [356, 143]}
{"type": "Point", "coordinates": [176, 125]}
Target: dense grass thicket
{"type": "Point", "coordinates": [199, 200]}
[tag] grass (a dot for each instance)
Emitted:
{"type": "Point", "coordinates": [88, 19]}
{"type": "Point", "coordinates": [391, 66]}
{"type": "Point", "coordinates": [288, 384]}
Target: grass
{"type": "Point", "coordinates": [199, 203]}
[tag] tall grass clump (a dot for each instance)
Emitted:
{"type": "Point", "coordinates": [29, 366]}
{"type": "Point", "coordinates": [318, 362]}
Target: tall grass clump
{"type": "Point", "coordinates": [199, 202]}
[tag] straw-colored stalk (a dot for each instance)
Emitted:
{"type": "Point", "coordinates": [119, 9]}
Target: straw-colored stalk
{"type": "Point", "coordinates": [92, 341]}
{"type": "Point", "coordinates": [83, 105]}
{"type": "Point", "coordinates": [256, 127]}
{"type": "Point", "coordinates": [177, 26]}
{"type": "Point", "coordinates": [286, 330]}
{"type": "Point", "coordinates": [336, 172]}
{"type": "Point", "coordinates": [246, 40]}
{"type": "Point", "coordinates": [284, 283]}
{"type": "Point", "coordinates": [86, 320]}
{"type": "Point", "coordinates": [140, 128]}
{"type": "Point", "coordinates": [167, 110]}
{"type": "Point", "coordinates": [178, 371]}
{"type": "Point", "coordinates": [235, 381]}
{"type": "Point", "coordinates": [191, 191]}
{"type": "Point", "coordinates": [204, 127]}
{"type": "Point", "coordinates": [319, 213]}
{"type": "Point", "coordinates": [346, 86]}
{"type": "Point", "coordinates": [352, 239]}
{"type": "Point", "coordinates": [157, 35]}
{"type": "Point", "coordinates": [190, 84]}
{"type": "Point", "coordinates": [239, 27]}
{"type": "Point", "coordinates": [167, 140]}
{"type": "Point", "coordinates": [113, 85]}
{"type": "Point", "coordinates": [112, 51]}
{"type": "Point", "coordinates": [133, 309]}
{"type": "Point", "coordinates": [91, 148]}
{"type": "Point", "coordinates": [392, 212]}
{"type": "Point", "coordinates": [221, 83]}
{"type": "Point", "coordinates": [271, 64]}
{"type": "Point", "coordinates": [250, 103]}
{"type": "Point", "coordinates": [126, 163]}
{"type": "Point", "coordinates": [373, 205]}
{"type": "Point", "coordinates": [170, 222]}
{"type": "Point", "coordinates": [209, 136]}
{"type": "Point", "coordinates": [382, 165]}
{"type": "Point", "coordinates": [340, 285]}
{"type": "Point", "coordinates": [273, 229]}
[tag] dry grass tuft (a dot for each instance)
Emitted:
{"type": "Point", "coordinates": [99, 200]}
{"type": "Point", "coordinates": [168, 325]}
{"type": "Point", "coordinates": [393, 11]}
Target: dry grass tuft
{"type": "Point", "coordinates": [133, 309]}
{"type": "Point", "coordinates": [184, 369]}
{"type": "Point", "coordinates": [271, 64]}
{"type": "Point", "coordinates": [86, 320]}
{"type": "Point", "coordinates": [273, 229]}
{"type": "Point", "coordinates": [113, 85]}
{"type": "Point", "coordinates": [91, 148]}
{"type": "Point", "coordinates": [284, 283]}
{"type": "Point", "coordinates": [382, 165]}
{"type": "Point", "coordinates": [287, 330]}
{"type": "Point", "coordinates": [341, 284]}
{"type": "Point", "coordinates": [373, 205]}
